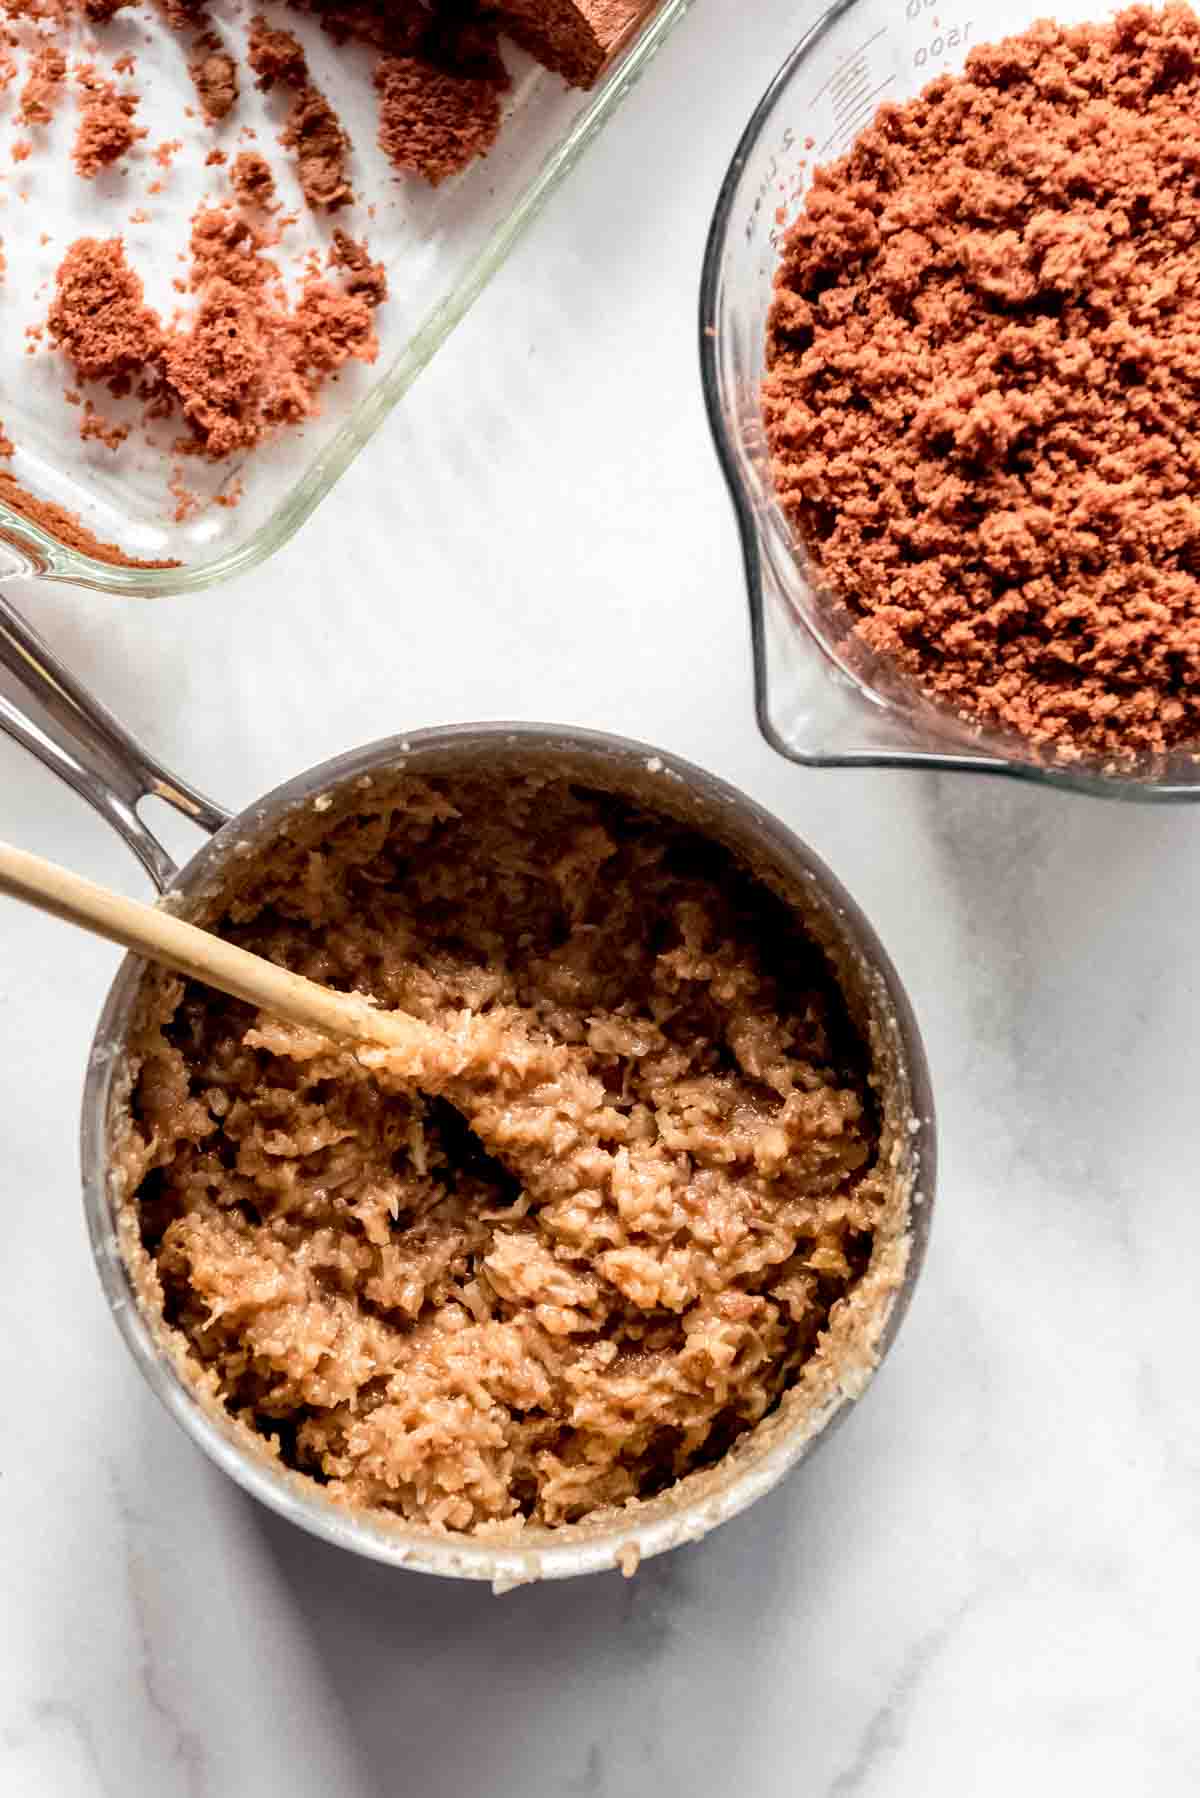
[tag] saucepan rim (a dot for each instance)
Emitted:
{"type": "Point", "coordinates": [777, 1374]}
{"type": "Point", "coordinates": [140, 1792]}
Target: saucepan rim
{"type": "Point", "coordinates": [635, 1533]}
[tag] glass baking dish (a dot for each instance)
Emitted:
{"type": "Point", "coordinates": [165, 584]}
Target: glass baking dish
{"type": "Point", "coordinates": [440, 247]}
{"type": "Point", "coordinates": [820, 699]}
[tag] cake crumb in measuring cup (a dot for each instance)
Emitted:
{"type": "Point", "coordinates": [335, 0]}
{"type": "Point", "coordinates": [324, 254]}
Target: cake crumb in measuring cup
{"type": "Point", "coordinates": [983, 394]}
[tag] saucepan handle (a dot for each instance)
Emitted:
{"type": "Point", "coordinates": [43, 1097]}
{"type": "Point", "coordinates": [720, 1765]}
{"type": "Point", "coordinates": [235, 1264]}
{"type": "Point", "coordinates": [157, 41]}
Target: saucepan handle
{"type": "Point", "coordinates": [44, 708]}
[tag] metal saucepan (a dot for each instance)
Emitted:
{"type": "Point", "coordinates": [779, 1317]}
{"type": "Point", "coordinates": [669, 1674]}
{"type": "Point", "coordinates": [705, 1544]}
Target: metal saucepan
{"type": "Point", "coordinates": [76, 738]}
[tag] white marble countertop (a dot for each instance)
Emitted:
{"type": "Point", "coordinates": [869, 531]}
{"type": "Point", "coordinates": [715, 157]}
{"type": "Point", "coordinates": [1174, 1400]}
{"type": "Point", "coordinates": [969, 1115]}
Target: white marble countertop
{"type": "Point", "coordinates": [986, 1582]}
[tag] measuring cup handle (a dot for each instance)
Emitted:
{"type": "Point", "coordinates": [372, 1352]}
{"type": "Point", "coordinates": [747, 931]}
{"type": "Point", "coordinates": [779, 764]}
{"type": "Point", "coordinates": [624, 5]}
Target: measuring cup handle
{"type": "Point", "coordinates": [74, 736]}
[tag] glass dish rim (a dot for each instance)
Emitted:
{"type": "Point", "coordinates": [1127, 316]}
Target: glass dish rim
{"type": "Point", "coordinates": [1090, 782]}
{"type": "Point", "coordinates": [49, 558]}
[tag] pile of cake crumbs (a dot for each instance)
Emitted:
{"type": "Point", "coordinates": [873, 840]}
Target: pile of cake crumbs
{"type": "Point", "coordinates": [983, 397]}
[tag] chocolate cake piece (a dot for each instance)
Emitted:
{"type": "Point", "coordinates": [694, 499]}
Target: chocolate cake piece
{"type": "Point", "coordinates": [574, 37]}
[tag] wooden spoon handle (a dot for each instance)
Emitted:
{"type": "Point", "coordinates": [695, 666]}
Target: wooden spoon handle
{"type": "Point", "coordinates": [188, 950]}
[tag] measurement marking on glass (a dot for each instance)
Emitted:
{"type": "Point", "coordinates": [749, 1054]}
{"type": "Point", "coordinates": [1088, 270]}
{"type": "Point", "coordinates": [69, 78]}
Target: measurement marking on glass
{"type": "Point", "coordinates": [850, 97]}
{"type": "Point", "coordinates": [945, 41]}
{"type": "Point", "coordinates": [848, 126]}
{"type": "Point", "coordinates": [841, 69]}
{"type": "Point", "coordinates": [854, 72]}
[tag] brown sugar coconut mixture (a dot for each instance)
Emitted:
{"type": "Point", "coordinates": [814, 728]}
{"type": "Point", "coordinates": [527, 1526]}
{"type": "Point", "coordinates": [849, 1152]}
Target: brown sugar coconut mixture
{"type": "Point", "coordinates": [259, 329]}
{"type": "Point", "coordinates": [576, 1244]}
{"type": "Point", "coordinates": [983, 397]}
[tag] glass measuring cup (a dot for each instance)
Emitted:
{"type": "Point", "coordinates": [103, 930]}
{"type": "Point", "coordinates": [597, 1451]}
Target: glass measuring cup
{"type": "Point", "coordinates": [821, 698]}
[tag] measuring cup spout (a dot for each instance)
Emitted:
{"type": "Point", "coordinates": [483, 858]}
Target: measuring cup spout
{"type": "Point", "coordinates": [45, 710]}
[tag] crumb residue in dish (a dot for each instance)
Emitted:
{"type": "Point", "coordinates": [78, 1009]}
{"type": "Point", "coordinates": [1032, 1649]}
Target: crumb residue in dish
{"type": "Point", "coordinates": [106, 130]}
{"type": "Point", "coordinates": [585, 1241]}
{"type": "Point", "coordinates": [438, 77]}
{"type": "Point", "coordinates": [65, 528]}
{"type": "Point", "coordinates": [312, 129]}
{"type": "Point", "coordinates": [214, 75]}
{"type": "Point", "coordinates": [983, 397]}
{"type": "Point", "coordinates": [43, 87]}
{"type": "Point", "coordinates": [252, 181]}
{"type": "Point", "coordinates": [242, 364]}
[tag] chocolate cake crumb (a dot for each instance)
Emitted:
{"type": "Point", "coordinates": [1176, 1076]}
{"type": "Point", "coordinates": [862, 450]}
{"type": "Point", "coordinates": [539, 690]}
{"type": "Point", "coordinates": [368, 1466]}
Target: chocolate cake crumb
{"type": "Point", "coordinates": [106, 129]}
{"type": "Point", "coordinates": [94, 427]}
{"type": "Point", "coordinates": [244, 363]}
{"type": "Point", "coordinates": [214, 76]}
{"type": "Point", "coordinates": [433, 122]}
{"type": "Point", "coordinates": [396, 25]}
{"type": "Point", "coordinates": [228, 373]}
{"type": "Point", "coordinates": [331, 328]}
{"type": "Point", "coordinates": [312, 128]}
{"type": "Point", "coordinates": [983, 396]}
{"type": "Point", "coordinates": [43, 87]}
{"type": "Point", "coordinates": [365, 279]}
{"type": "Point", "coordinates": [321, 146]}
{"type": "Point", "coordinates": [66, 529]}
{"type": "Point", "coordinates": [187, 503]}
{"type": "Point", "coordinates": [576, 38]}
{"type": "Point", "coordinates": [226, 246]}
{"type": "Point", "coordinates": [99, 317]}
{"type": "Point", "coordinates": [183, 15]}
{"type": "Point", "coordinates": [252, 180]}
{"type": "Point", "coordinates": [464, 42]}
{"type": "Point", "coordinates": [275, 56]}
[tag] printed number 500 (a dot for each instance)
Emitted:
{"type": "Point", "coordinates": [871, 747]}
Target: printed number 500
{"type": "Point", "coordinates": [943, 43]}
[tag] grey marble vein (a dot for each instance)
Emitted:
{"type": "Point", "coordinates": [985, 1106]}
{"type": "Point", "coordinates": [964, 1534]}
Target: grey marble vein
{"type": "Point", "coordinates": [187, 1747]}
{"type": "Point", "coordinates": [884, 1734]}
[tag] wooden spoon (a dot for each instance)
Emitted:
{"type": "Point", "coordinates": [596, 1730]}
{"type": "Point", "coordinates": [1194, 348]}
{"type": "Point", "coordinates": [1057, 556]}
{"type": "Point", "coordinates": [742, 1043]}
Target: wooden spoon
{"type": "Point", "coordinates": [466, 1062]}
{"type": "Point", "coordinates": [186, 949]}
{"type": "Point", "coordinates": [496, 1087]}
{"type": "Point", "coordinates": [493, 1084]}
